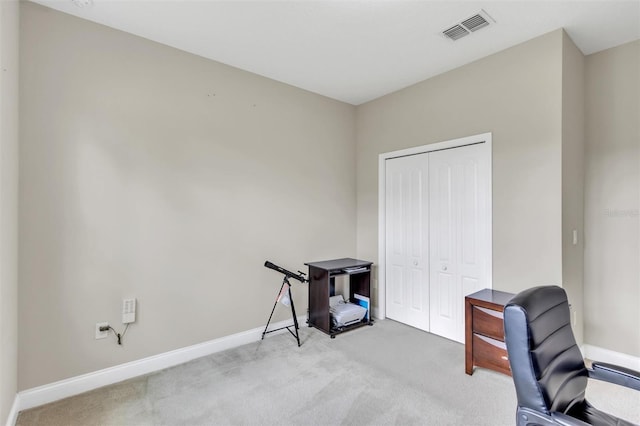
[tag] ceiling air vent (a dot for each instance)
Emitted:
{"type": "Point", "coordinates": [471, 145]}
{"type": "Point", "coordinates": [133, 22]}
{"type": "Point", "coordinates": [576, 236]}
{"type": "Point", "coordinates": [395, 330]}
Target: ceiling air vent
{"type": "Point", "coordinates": [469, 25]}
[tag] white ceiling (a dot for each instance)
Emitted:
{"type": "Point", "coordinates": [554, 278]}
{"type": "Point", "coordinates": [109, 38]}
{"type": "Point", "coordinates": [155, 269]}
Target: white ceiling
{"type": "Point", "coordinates": [355, 51]}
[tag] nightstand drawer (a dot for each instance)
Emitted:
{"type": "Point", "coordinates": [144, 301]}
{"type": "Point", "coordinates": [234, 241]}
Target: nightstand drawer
{"type": "Point", "coordinates": [488, 322]}
{"type": "Point", "coordinates": [490, 353]}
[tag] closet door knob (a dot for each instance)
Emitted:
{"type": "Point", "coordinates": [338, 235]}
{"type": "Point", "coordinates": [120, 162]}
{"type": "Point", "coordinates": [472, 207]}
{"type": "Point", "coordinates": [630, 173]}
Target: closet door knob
{"type": "Point", "coordinates": [415, 263]}
{"type": "Point", "coordinates": [444, 267]}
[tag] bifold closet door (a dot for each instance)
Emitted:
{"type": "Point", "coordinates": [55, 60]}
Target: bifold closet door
{"type": "Point", "coordinates": [407, 240]}
{"type": "Point", "coordinates": [459, 244]}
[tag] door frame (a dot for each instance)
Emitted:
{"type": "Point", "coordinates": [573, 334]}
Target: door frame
{"type": "Point", "coordinates": [482, 138]}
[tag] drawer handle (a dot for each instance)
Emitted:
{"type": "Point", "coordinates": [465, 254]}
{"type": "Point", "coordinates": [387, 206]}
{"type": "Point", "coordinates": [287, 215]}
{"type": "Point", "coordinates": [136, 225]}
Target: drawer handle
{"type": "Point", "coordinates": [505, 358]}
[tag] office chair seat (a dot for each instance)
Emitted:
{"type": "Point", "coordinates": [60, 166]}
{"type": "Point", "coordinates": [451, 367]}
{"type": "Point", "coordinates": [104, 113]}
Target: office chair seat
{"type": "Point", "coordinates": [547, 366]}
{"type": "Point", "coordinates": [590, 415]}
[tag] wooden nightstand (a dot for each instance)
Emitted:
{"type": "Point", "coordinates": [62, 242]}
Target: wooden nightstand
{"type": "Point", "coordinates": [484, 331]}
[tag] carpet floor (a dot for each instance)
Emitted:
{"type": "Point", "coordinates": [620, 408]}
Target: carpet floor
{"type": "Point", "coordinates": [388, 374]}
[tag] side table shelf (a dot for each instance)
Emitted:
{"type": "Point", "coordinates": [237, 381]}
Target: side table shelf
{"type": "Point", "coordinates": [484, 331]}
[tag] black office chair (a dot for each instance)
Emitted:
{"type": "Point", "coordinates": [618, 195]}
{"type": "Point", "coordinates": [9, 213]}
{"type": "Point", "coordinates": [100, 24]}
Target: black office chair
{"type": "Point", "coordinates": [547, 367]}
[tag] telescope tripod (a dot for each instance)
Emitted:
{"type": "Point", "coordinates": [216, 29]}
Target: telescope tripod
{"type": "Point", "coordinates": [285, 281]}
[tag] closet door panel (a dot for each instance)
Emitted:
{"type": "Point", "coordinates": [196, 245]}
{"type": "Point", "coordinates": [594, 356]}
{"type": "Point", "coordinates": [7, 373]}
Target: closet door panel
{"type": "Point", "coordinates": [407, 226]}
{"type": "Point", "coordinates": [459, 196]}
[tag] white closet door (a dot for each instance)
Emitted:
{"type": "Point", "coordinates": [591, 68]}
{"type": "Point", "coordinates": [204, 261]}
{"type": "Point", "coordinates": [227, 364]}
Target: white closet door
{"type": "Point", "coordinates": [459, 244]}
{"type": "Point", "coordinates": [407, 240]}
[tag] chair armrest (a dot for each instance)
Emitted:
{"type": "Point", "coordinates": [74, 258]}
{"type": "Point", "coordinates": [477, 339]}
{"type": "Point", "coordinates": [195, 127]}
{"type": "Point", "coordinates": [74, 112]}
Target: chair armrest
{"type": "Point", "coordinates": [615, 374]}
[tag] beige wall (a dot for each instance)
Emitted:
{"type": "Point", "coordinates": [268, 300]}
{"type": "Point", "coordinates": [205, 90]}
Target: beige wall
{"type": "Point", "coordinates": [516, 95]}
{"type": "Point", "coordinates": [573, 180]}
{"type": "Point", "coordinates": [612, 253]}
{"type": "Point", "coordinates": [9, 12]}
{"type": "Point", "coordinates": [154, 173]}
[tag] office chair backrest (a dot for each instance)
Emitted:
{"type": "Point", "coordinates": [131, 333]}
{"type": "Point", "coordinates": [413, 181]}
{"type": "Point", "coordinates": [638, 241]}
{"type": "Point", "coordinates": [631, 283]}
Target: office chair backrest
{"type": "Point", "coordinates": [547, 366]}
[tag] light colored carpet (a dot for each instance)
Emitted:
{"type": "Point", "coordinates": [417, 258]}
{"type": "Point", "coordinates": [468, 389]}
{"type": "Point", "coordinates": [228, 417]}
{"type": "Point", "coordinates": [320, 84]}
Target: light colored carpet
{"type": "Point", "coordinates": [381, 375]}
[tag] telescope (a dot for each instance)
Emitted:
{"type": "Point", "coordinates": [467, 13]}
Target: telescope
{"type": "Point", "coordinates": [299, 276]}
{"type": "Point", "coordinates": [285, 292]}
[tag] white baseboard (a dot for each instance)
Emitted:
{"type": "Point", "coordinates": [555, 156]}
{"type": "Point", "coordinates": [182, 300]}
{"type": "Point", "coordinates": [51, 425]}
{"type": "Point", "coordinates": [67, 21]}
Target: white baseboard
{"type": "Point", "coordinates": [13, 414]}
{"type": "Point", "coordinates": [76, 385]}
{"type": "Point", "coordinates": [596, 353]}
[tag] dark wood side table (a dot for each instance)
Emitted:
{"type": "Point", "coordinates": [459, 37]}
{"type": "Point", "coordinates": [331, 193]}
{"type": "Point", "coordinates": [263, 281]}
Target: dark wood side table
{"type": "Point", "coordinates": [484, 331]}
{"type": "Point", "coordinates": [322, 286]}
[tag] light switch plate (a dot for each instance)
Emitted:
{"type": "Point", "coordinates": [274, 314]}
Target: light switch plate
{"type": "Point", "coordinates": [128, 311]}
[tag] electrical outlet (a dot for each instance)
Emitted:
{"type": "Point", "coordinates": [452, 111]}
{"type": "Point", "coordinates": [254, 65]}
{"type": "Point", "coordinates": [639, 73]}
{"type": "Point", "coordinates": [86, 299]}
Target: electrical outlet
{"type": "Point", "coordinates": [101, 334]}
{"type": "Point", "coordinates": [128, 311]}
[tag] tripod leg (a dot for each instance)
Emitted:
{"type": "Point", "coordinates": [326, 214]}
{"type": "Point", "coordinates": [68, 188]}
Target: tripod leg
{"type": "Point", "coordinates": [273, 310]}
{"type": "Point", "coordinates": [295, 319]}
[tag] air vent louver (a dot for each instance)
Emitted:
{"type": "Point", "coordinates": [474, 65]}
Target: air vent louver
{"type": "Point", "coordinates": [475, 23]}
{"type": "Point", "coordinates": [455, 32]}
{"type": "Point", "coordinates": [469, 25]}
